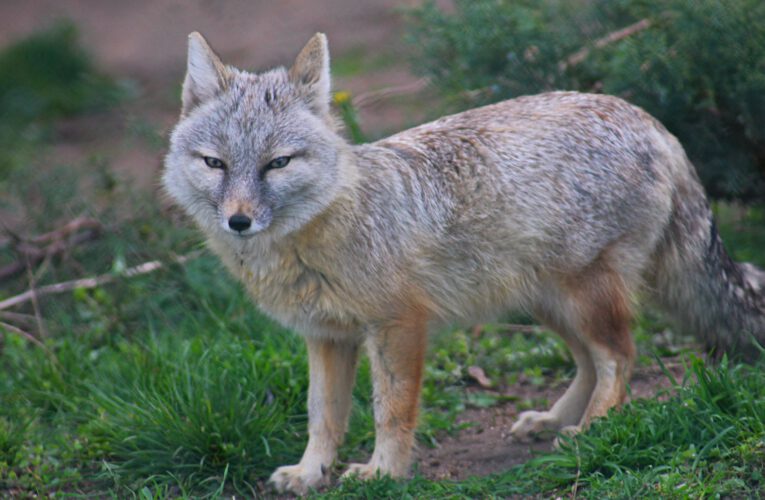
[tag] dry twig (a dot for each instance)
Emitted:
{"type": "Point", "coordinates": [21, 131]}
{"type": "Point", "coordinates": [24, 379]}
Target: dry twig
{"type": "Point", "coordinates": [615, 36]}
{"type": "Point", "coordinates": [23, 333]}
{"type": "Point", "coordinates": [372, 97]}
{"type": "Point", "coordinates": [147, 267]}
{"type": "Point", "coordinates": [58, 242]}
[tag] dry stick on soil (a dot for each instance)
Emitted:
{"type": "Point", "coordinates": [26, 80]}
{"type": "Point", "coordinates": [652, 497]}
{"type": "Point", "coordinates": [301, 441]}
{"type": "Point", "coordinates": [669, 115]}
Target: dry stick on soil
{"type": "Point", "coordinates": [94, 282]}
{"type": "Point", "coordinates": [71, 234]}
{"type": "Point", "coordinates": [41, 330]}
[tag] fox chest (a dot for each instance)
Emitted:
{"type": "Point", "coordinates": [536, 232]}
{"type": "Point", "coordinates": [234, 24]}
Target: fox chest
{"type": "Point", "coordinates": [301, 297]}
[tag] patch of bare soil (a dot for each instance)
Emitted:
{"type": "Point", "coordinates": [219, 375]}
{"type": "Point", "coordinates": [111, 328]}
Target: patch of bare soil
{"type": "Point", "coordinates": [485, 446]}
{"type": "Point", "coordinates": [143, 43]}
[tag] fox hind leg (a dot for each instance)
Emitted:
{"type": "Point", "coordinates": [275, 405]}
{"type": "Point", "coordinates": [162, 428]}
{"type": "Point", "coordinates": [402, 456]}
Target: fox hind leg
{"type": "Point", "coordinates": [594, 321]}
{"type": "Point", "coordinates": [605, 318]}
{"type": "Point", "coordinates": [570, 408]}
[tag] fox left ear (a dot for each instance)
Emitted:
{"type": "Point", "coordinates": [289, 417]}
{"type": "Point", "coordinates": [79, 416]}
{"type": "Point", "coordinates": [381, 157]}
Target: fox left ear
{"type": "Point", "coordinates": [310, 74]}
{"type": "Point", "coordinates": [206, 75]}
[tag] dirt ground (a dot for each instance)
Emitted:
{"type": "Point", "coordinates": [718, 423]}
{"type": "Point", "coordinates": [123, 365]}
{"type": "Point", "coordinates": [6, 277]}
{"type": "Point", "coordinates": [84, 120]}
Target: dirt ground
{"type": "Point", "coordinates": [485, 446]}
{"type": "Point", "coordinates": [144, 42]}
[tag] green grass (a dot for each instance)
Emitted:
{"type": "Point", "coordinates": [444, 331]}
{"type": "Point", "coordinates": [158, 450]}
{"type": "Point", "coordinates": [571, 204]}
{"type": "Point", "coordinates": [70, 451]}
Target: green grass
{"type": "Point", "coordinates": [174, 385]}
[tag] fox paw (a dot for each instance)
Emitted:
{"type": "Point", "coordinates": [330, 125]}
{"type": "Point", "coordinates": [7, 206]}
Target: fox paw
{"type": "Point", "coordinates": [534, 425]}
{"type": "Point", "coordinates": [568, 431]}
{"type": "Point", "coordinates": [297, 479]}
{"type": "Point", "coordinates": [362, 471]}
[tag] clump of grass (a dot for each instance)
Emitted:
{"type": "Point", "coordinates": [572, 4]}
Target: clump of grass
{"type": "Point", "coordinates": [205, 411]}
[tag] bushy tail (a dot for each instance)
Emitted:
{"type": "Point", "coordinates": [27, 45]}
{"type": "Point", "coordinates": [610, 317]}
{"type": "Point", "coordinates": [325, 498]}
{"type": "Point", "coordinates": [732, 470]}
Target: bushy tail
{"type": "Point", "coordinates": [696, 281]}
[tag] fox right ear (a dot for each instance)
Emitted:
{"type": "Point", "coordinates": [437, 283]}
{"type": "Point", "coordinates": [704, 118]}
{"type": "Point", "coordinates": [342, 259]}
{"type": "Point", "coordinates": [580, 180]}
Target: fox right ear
{"type": "Point", "coordinates": [206, 75]}
{"type": "Point", "coordinates": [310, 73]}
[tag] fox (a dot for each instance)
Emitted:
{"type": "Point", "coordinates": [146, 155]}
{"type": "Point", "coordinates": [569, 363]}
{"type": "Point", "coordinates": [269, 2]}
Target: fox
{"type": "Point", "coordinates": [572, 207]}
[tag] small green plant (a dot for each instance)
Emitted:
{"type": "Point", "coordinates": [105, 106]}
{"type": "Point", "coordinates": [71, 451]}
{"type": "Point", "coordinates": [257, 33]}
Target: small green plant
{"type": "Point", "coordinates": [344, 105]}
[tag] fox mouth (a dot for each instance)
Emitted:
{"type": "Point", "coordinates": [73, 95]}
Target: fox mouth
{"type": "Point", "coordinates": [246, 234]}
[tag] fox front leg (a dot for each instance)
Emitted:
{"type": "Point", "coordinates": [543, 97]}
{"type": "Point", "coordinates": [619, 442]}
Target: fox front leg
{"type": "Point", "coordinates": [332, 369]}
{"type": "Point", "coordinates": [396, 353]}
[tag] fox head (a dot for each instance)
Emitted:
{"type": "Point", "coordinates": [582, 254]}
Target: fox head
{"type": "Point", "coordinates": [255, 154]}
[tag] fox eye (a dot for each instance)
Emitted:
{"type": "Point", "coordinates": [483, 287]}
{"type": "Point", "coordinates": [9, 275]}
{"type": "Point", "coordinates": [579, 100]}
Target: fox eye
{"type": "Point", "coordinates": [279, 162]}
{"type": "Point", "coordinates": [214, 162]}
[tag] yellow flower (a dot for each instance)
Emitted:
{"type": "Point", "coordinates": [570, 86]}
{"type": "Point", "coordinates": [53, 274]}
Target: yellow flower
{"type": "Point", "coordinates": [342, 96]}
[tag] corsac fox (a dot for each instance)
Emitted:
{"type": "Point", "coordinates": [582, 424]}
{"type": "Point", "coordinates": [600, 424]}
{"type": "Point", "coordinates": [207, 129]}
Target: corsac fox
{"type": "Point", "coordinates": [565, 205]}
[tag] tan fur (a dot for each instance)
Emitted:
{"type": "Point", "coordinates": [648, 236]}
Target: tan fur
{"type": "Point", "coordinates": [333, 366]}
{"type": "Point", "coordinates": [605, 321]}
{"type": "Point", "coordinates": [397, 354]}
{"type": "Point", "coordinates": [565, 205]}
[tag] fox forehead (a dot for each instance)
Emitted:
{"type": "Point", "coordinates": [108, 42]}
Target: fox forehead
{"type": "Point", "coordinates": [271, 91]}
{"type": "Point", "coordinates": [252, 115]}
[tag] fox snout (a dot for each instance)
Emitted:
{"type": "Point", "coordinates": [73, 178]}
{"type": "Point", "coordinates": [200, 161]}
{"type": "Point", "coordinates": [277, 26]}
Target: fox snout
{"type": "Point", "coordinates": [244, 219]}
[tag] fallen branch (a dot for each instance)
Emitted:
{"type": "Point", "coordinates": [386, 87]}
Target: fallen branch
{"type": "Point", "coordinates": [76, 232]}
{"type": "Point", "coordinates": [26, 320]}
{"type": "Point", "coordinates": [94, 282]}
{"type": "Point", "coordinates": [24, 334]}
{"type": "Point", "coordinates": [74, 226]}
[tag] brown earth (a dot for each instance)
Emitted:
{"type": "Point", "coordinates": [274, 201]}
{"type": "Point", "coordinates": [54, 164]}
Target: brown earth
{"type": "Point", "coordinates": [485, 446]}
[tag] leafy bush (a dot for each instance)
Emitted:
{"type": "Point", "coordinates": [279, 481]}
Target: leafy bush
{"type": "Point", "coordinates": [696, 65]}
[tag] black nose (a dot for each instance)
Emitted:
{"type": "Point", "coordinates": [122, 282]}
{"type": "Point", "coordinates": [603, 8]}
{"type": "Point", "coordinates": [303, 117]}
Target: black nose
{"type": "Point", "coordinates": [239, 222]}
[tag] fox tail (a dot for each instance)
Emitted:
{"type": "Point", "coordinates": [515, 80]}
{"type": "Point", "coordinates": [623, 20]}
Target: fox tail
{"type": "Point", "coordinates": [696, 281]}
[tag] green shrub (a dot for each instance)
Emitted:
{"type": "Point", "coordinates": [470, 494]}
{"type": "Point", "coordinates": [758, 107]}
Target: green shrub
{"type": "Point", "coordinates": [699, 67]}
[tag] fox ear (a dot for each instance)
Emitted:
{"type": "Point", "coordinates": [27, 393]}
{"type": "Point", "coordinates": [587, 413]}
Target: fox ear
{"type": "Point", "coordinates": [310, 73]}
{"type": "Point", "coordinates": [206, 75]}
